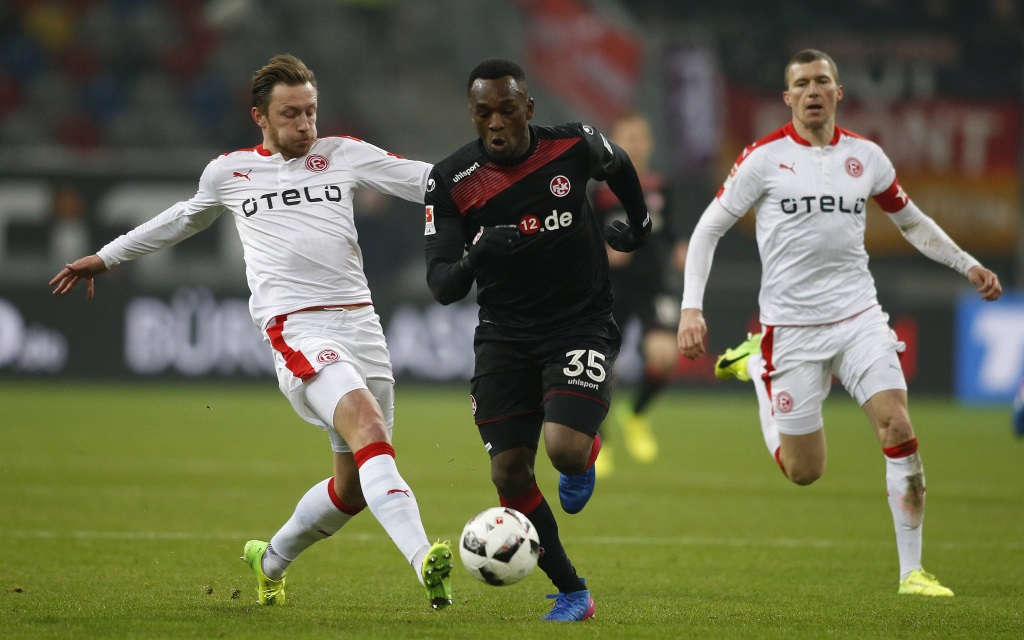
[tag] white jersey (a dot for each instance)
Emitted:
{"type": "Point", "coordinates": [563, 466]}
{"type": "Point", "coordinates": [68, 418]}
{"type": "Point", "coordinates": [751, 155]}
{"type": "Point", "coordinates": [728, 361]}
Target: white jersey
{"type": "Point", "coordinates": [294, 218]}
{"type": "Point", "coordinates": [810, 203]}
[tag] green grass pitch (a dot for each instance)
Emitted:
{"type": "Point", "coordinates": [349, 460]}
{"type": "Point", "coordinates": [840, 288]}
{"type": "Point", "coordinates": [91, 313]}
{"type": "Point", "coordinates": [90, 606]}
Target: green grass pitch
{"type": "Point", "coordinates": [123, 511]}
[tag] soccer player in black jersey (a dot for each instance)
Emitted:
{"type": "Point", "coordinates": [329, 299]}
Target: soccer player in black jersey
{"type": "Point", "coordinates": [509, 213]}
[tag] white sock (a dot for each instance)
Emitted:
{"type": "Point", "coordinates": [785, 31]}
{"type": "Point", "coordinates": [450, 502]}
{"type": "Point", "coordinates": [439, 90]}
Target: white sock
{"type": "Point", "coordinates": [394, 505]}
{"type": "Point", "coordinates": [316, 517]}
{"type": "Point", "coordinates": [904, 480]}
{"type": "Point", "coordinates": [769, 430]}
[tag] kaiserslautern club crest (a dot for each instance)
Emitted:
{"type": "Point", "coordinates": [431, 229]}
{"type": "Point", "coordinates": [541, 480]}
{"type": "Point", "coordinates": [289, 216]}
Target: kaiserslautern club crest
{"type": "Point", "coordinates": [560, 186]}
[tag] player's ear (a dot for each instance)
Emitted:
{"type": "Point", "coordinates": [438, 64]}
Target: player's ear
{"type": "Point", "coordinates": [839, 92]}
{"type": "Point", "coordinates": [785, 98]}
{"type": "Point", "coordinates": [259, 118]}
{"type": "Point", "coordinates": [529, 108]}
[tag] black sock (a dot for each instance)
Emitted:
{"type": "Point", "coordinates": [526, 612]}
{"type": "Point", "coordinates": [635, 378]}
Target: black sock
{"type": "Point", "coordinates": [649, 387]}
{"type": "Point", "coordinates": [554, 561]}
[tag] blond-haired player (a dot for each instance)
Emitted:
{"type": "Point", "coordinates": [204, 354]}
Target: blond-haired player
{"type": "Point", "coordinates": [291, 200]}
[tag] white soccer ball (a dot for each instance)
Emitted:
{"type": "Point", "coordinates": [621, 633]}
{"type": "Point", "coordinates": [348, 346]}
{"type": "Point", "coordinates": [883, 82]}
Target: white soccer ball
{"type": "Point", "coordinates": [499, 546]}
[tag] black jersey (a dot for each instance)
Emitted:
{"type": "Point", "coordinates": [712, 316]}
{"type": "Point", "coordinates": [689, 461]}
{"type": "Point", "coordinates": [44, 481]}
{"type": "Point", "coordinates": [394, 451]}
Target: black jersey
{"type": "Point", "coordinates": [557, 274]}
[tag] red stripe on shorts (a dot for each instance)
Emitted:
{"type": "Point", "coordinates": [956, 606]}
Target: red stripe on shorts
{"type": "Point", "coordinates": [581, 395]}
{"type": "Point", "coordinates": [294, 360]}
{"type": "Point", "coordinates": [767, 349]}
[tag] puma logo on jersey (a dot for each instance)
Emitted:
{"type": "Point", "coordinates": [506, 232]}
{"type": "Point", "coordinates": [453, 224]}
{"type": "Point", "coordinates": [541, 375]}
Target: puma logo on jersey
{"type": "Point", "coordinates": [405, 491]}
{"type": "Point", "coordinates": [243, 175]}
{"type": "Point", "coordinates": [790, 167]}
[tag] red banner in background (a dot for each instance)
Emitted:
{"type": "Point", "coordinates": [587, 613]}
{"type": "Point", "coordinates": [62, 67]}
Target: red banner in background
{"type": "Point", "coordinates": [582, 58]}
{"type": "Point", "coordinates": [957, 159]}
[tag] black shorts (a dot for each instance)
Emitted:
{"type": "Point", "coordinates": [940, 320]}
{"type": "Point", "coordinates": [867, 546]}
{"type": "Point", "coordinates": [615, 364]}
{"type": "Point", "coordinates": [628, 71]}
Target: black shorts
{"type": "Point", "coordinates": [522, 381]}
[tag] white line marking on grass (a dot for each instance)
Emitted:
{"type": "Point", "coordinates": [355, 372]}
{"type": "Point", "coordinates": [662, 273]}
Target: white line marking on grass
{"type": "Point", "coordinates": [789, 543]}
{"type": "Point", "coordinates": [689, 541]}
{"type": "Point", "coordinates": [154, 535]}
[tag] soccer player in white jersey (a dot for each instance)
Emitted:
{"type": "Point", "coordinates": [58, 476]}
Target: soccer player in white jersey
{"type": "Point", "coordinates": [291, 198]}
{"type": "Point", "coordinates": [808, 184]}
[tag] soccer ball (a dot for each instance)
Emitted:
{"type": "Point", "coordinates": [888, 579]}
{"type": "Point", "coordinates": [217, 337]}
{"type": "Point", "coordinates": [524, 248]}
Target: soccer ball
{"type": "Point", "coordinates": [499, 546]}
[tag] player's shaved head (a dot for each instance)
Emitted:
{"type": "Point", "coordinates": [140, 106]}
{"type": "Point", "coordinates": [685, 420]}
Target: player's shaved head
{"type": "Point", "coordinates": [496, 68]}
{"type": "Point", "coordinates": [811, 55]}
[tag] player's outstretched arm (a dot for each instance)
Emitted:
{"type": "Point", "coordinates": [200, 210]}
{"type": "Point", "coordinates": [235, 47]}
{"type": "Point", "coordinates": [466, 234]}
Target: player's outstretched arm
{"type": "Point", "coordinates": [82, 269]}
{"type": "Point", "coordinates": [692, 330]}
{"type": "Point", "coordinates": [986, 281]}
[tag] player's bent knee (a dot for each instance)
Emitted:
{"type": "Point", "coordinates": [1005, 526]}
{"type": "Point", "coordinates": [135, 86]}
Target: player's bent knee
{"type": "Point", "coordinates": [897, 431]}
{"type": "Point", "coordinates": [568, 461]}
{"type": "Point", "coordinates": [804, 473]}
{"type": "Point", "coordinates": [511, 483]}
{"type": "Point", "coordinates": [803, 477]}
{"type": "Point", "coordinates": [803, 456]}
{"type": "Point", "coordinates": [511, 475]}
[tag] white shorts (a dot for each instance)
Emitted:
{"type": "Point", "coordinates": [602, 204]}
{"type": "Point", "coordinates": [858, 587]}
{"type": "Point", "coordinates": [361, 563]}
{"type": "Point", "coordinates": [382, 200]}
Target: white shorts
{"type": "Point", "coordinates": [306, 342]}
{"type": "Point", "coordinates": [862, 352]}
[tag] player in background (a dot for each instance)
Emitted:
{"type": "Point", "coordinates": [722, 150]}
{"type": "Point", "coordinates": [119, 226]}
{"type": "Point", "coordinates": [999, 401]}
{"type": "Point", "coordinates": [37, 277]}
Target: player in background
{"type": "Point", "coordinates": [1017, 410]}
{"type": "Point", "coordinates": [291, 198]}
{"type": "Point", "coordinates": [808, 184]}
{"type": "Point", "coordinates": [509, 212]}
{"type": "Point", "coordinates": [640, 283]}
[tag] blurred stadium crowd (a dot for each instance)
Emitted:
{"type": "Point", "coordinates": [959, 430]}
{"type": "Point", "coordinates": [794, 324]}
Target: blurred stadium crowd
{"type": "Point", "coordinates": [86, 74]}
{"type": "Point", "coordinates": [109, 109]}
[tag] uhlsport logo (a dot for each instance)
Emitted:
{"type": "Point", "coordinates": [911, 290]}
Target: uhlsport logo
{"type": "Point", "coordinates": [317, 163]}
{"type": "Point", "coordinates": [560, 186]}
{"type": "Point", "coordinates": [465, 173]}
{"type": "Point", "coordinates": [532, 224]}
